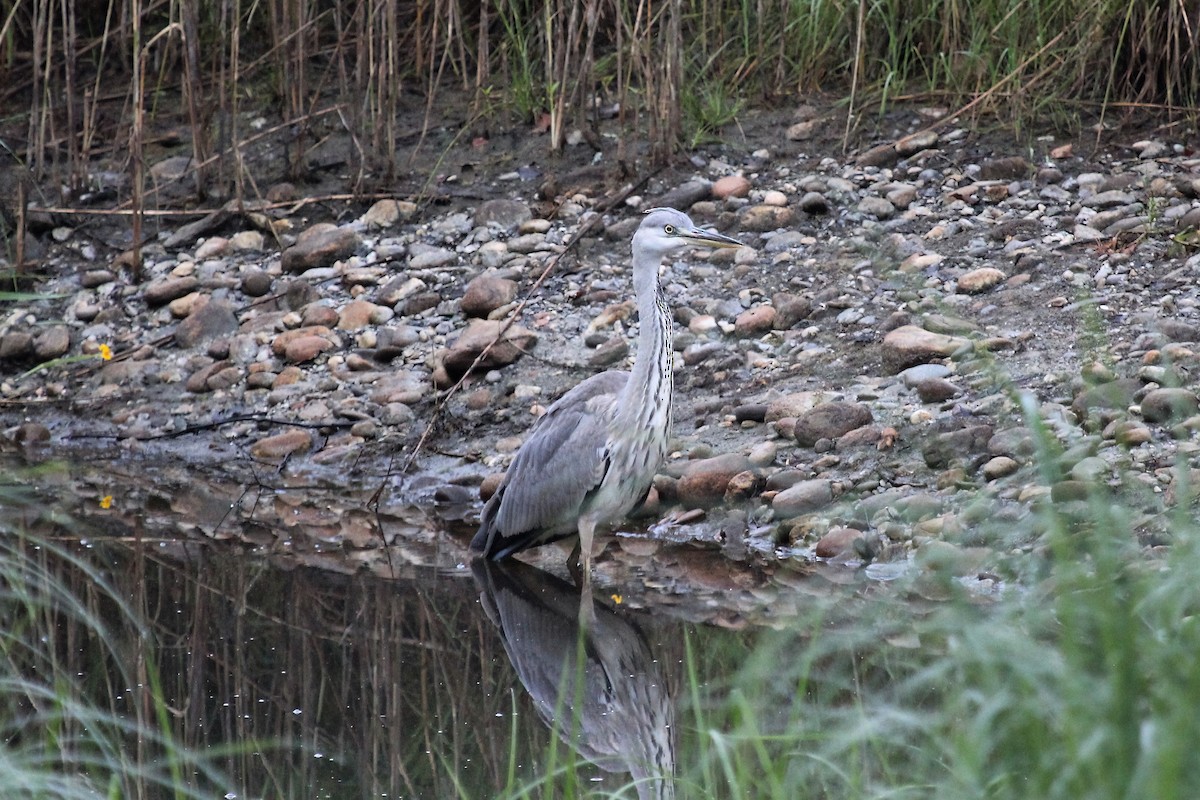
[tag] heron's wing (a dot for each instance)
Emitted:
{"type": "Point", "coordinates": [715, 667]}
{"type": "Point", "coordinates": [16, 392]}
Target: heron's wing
{"type": "Point", "coordinates": [564, 458]}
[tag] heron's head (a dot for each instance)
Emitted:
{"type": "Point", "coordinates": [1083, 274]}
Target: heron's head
{"type": "Point", "coordinates": [665, 230]}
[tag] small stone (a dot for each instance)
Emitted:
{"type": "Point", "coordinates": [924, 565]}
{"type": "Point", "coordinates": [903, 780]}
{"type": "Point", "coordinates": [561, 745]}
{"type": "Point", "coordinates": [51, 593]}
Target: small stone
{"type": "Point", "coordinates": [248, 241]}
{"type": "Point", "coordinates": [803, 497]}
{"type": "Point", "coordinates": [980, 280]}
{"type": "Point", "coordinates": [320, 246]}
{"type": "Point", "coordinates": [51, 343]}
{"type": "Point", "coordinates": [485, 293]}
{"type": "Point", "coordinates": [836, 542]}
{"type": "Point", "coordinates": [356, 315]}
{"type": "Point", "coordinates": [610, 352]}
{"type": "Point", "coordinates": [1114, 395]}
{"type": "Point", "coordinates": [210, 320]}
{"type": "Point", "coordinates": [281, 445]}
{"type": "Point", "coordinates": [936, 390]}
{"type": "Point", "coordinates": [479, 334]}
{"type": "Point", "coordinates": [15, 346]}
{"type": "Point", "coordinates": [256, 282]}
{"type": "Point", "coordinates": [910, 345]}
{"type": "Point", "coordinates": [96, 277]}
{"type": "Point", "coordinates": [763, 218]}
{"type": "Point", "coordinates": [306, 348]}
{"type": "Point", "coordinates": [743, 486]}
{"type": "Point", "coordinates": [163, 291]}
{"type": "Point", "coordinates": [801, 131]}
{"type": "Point", "coordinates": [814, 203]}
{"type": "Point", "coordinates": [1005, 169]}
{"type": "Point", "coordinates": [502, 213]}
{"type": "Point", "coordinates": [999, 467]}
{"type": "Point", "coordinates": [705, 480]}
{"type": "Point", "coordinates": [790, 309]}
{"type": "Point", "coordinates": [386, 213]}
{"type": "Point", "coordinates": [830, 420]}
{"type": "Point", "coordinates": [731, 186]}
{"type": "Point", "coordinates": [754, 321]}
{"type": "Point", "coordinates": [877, 207]}
{"type": "Point", "coordinates": [212, 247]}
{"type": "Point", "coordinates": [1164, 405]}
{"type": "Point", "coordinates": [774, 197]}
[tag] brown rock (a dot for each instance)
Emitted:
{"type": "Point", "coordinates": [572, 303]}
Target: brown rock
{"type": "Point", "coordinates": [731, 186]}
{"type": "Point", "coordinates": [802, 497]}
{"type": "Point", "coordinates": [705, 481]}
{"type": "Point", "coordinates": [485, 293]}
{"type": "Point", "coordinates": [198, 381]}
{"type": "Point", "coordinates": [936, 390]}
{"type": "Point", "coordinates": [306, 348]}
{"type": "Point", "coordinates": [836, 542]}
{"type": "Point", "coordinates": [791, 405]}
{"type": "Point", "coordinates": [1005, 169]}
{"type": "Point", "coordinates": [356, 315]}
{"type": "Point", "coordinates": [51, 343]}
{"type": "Point", "coordinates": [214, 318]}
{"type": "Point", "coordinates": [320, 246]}
{"type": "Point", "coordinates": [830, 420]}
{"type": "Point", "coordinates": [754, 321]}
{"type": "Point", "coordinates": [1114, 395]}
{"type": "Point", "coordinates": [1164, 405]}
{"type": "Point", "coordinates": [16, 345]}
{"type": "Point", "coordinates": [163, 291]}
{"type": "Point", "coordinates": [909, 345]}
{"type": "Point", "coordinates": [280, 342]}
{"type": "Point", "coordinates": [980, 280]}
{"type": "Point", "coordinates": [281, 445]}
{"type": "Point", "coordinates": [743, 486]}
{"type": "Point", "coordinates": [762, 218]}
{"type": "Point", "coordinates": [478, 335]}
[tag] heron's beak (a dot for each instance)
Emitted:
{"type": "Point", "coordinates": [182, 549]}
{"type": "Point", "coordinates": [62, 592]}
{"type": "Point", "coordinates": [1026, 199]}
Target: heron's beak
{"type": "Point", "coordinates": [699, 236]}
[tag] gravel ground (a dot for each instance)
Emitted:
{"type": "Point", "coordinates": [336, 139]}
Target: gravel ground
{"type": "Point", "coordinates": [854, 387]}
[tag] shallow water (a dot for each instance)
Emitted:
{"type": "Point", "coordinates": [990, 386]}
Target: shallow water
{"type": "Point", "coordinates": [307, 661]}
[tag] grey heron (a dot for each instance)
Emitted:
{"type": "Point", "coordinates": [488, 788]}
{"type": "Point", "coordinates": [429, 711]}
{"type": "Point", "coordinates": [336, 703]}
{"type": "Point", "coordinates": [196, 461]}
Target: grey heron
{"type": "Point", "coordinates": [591, 458]}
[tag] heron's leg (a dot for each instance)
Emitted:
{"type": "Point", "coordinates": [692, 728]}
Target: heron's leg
{"type": "Point", "coordinates": [587, 528]}
{"type": "Point", "coordinates": [573, 562]}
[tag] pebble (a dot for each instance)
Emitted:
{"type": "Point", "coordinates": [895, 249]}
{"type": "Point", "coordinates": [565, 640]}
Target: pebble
{"type": "Point", "coordinates": [1165, 405]}
{"type": "Point", "coordinates": [163, 291]}
{"type": "Point", "coordinates": [763, 218]}
{"type": "Point", "coordinates": [210, 320]}
{"type": "Point", "coordinates": [731, 186]}
{"type": "Point", "coordinates": [51, 343]}
{"type": "Point", "coordinates": [802, 497]}
{"type": "Point", "coordinates": [980, 280]}
{"type": "Point", "coordinates": [910, 345]}
{"type": "Point", "coordinates": [320, 246]}
{"type": "Point", "coordinates": [704, 482]}
{"type": "Point", "coordinates": [999, 467]}
{"type": "Point", "coordinates": [836, 542]}
{"type": "Point", "coordinates": [281, 445]}
{"type": "Point", "coordinates": [486, 293]}
{"type": "Point", "coordinates": [829, 421]}
{"type": "Point", "coordinates": [754, 321]}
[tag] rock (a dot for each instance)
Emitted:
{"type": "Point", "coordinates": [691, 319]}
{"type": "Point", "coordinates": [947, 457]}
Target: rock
{"type": "Point", "coordinates": [913, 376]}
{"type": "Point", "coordinates": [802, 130]}
{"type": "Point", "coordinates": [306, 348]}
{"type": "Point", "coordinates": [610, 352]}
{"type": "Point", "coordinates": [210, 320]}
{"type": "Point", "coordinates": [1005, 169]}
{"type": "Point", "coordinates": [1176, 330]}
{"type": "Point", "coordinates": [936, 390]}
{"type": "Point", "coordinates": [754, 321]}
{"type": "Point", "coordinates": [1165, 405]}
{"type": "Point", "coordinates": [956, 446]}
{"type": "Point", "coordinates": [791, 405]}
{"type": "Point", "coordinates": [685, 196]}
{"type": "Point", "coordinates": [358, 314]}
{"type": "Point", "coordinates": [731, 186]}
{"type": "Point", "coordinates": [15, 346]}
{"type": "Point", "coordinates": [743, 486]}
{"type": "Point", "coordinates": [909, 345]}
{"type": "Point", "coordinates": [877, 207]}
{"type": "Point", "coordinates": [281, 445]}
{"type": "Point", "coordinates": [386, 213]}
{"type": "Point", "coordinates": [485, 293]}
{"type": "Point", "coordinates": [980, 280]}
{"type": "Point", "coordinates": [1128, 433]}
{"type": "Point", "coordinates": [164, 290]}
{"type": "Point", "coordinates": [502, 213]}
{"type": "Point", "coordinates": [790, 309]}
{"type": "Point", "coordinates": [763, 218]}
{"type": "Point", "coordinates": [803, 497]}
{"type": "Point", "coordinates": [705, 481]}
{"type": "Point", "coordinates": [999, 467]}
{"type": "Point", "coordinates": [182, 307]}
{"type": "Point", "coordinates": [479, 334]}
{"type": "Point", "coordinates": [212, 247]}
{"type": "Point", "coordinates": [94, 278]}
{"type": "Point", "coordinates": [198, 381]}
{"type": "Point", "coordinates": [423, 257]}
{"type": "Point", "coordinates": [836, 542]}
{"type": "Point", "coordinates": [916, 142]}
{"type": "Point", "coordinates": [1116, 394]}
{"type": "Point", "coordinates": [830, 420]}
{"type": "Point", "coordinates": [320, 246]}
{"type": "Point", "coordinates": [814, 203]}
{"type": "Point", "coordinates": [248, 241]}
{"type": "Point", "coordinates": [256, 282]}
{"type": "Point", "coordinates": [52, 343]}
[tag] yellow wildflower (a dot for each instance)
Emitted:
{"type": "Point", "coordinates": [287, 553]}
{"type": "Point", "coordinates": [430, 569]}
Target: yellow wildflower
{"type": "Point", "coordinates": [106, 501]}
{"type": "Point", "coordinates": [106, 354]}
{"type": "Point", "coordinates": [616, 598]}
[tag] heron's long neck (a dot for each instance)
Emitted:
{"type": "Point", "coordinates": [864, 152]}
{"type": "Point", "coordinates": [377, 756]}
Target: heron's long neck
{"type": "Point", "coordinates": [646, 401]}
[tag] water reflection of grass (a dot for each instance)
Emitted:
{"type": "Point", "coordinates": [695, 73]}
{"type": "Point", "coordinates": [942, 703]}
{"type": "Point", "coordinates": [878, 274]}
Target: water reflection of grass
{"type": "Point", "coordinates": [82, 713]}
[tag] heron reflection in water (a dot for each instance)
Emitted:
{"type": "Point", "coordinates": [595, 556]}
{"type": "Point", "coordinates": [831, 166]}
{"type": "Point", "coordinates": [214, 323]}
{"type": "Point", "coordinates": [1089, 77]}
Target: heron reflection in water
{"type": "Point", "coordinates": [620, 717]}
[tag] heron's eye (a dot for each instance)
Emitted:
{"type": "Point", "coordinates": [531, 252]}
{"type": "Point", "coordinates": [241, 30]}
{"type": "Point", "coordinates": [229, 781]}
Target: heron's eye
{"type": "Point", "coordinates": [669, 230]}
